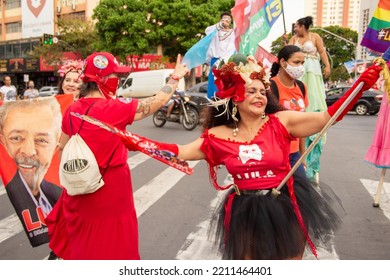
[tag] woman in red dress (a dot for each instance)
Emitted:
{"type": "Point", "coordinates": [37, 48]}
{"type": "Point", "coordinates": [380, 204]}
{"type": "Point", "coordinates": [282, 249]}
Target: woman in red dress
{"type": "Point", "coordinates": [250, 134]}
{"type": "Point", "coordinates": [103, 224]}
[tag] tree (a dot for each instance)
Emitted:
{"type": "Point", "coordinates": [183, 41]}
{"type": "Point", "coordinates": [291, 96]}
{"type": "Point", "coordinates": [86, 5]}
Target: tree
{"type": "Point", "coordinates": [339, 51]}
{"type": "Point", "coordinates": [74, 36]}
{"type": "Point", "coordinates": [136, 27]}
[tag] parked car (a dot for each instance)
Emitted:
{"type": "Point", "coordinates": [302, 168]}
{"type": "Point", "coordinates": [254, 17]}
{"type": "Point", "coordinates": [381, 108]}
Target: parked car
{"type": "Point", "coordinates": [198, 94]}
{"type": "Point", "coordinates": [47, 91]}
{"type": "Point", "coordinates": [369, 103]}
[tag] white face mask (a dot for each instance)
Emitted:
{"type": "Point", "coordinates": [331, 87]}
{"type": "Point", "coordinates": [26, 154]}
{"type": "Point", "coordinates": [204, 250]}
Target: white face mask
{"type": "Point", "coordinates": [295, 72]}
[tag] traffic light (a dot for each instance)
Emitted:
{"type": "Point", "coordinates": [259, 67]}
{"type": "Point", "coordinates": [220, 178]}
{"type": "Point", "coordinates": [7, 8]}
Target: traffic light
{"type": "Point", "coordinates": [47, 39]}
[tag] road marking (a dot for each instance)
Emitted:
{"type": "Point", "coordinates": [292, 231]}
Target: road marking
{"type": "Point", "coordinates": [2, 189]}
{"type": "Point", "coordinates": [132, 161]}
{"type": "Point", "coordinates": [10, 226]}
{"type": "Point", "coordinates": [137, 159]}
{"type": "Point", "coordinates": [200, 244]}
{"type": "Point", "coordinates": [384, 203]}
{"type": "Point", "coordinates": [157, 187]}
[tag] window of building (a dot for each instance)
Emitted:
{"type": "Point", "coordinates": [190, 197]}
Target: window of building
{"type": "Point", "coordinates": [13, 27]}
{"type": "Point", "coordinates": [12, 4]}
{"type": "Point", "coordinates": [78, 15]}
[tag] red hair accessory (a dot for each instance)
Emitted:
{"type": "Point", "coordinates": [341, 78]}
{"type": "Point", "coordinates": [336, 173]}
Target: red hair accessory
{"type": "Point", "coordinates": [232, 77]}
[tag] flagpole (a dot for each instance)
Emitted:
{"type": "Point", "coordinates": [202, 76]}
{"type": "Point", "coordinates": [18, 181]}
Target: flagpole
{"type": "Point", "coordinates": [284, 21]}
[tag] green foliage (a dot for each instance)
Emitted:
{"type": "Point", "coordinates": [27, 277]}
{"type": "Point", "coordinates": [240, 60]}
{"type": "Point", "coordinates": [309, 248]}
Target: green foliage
{"type": "Point", "coordinates": [339, 51]}
{"type": "Point", "coordinates": [140, 26]}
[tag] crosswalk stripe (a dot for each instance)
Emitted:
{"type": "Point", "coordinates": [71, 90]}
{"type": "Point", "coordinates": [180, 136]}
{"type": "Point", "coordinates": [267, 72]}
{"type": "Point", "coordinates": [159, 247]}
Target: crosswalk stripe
{"type": "Point", "coordinates": [9, 226]}
{"type": "Point", "coordinates": [137, 159]}
{"type": "Point", "coordinates": [371, 187]}
{"type": "Point", "coordinates": [200, 244]}
{"type": "Point", "coordinates": [157, 187]}
{"type": "Point", "coordinates": [132, 161]}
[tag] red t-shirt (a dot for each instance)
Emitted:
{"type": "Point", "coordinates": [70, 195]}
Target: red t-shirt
{"type": "Point", "coordinates": [259, 164]}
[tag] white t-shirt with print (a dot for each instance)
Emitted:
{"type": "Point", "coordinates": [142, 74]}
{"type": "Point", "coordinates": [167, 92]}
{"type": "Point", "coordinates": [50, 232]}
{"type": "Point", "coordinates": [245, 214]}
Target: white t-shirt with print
{"type": "Point", "coordinates": [9, 93]}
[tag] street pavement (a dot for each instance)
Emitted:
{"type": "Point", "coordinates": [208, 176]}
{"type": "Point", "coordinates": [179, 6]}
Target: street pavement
{"type": "Point", "coordinates": [174, 209]}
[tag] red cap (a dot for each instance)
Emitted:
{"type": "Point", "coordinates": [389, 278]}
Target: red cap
{"type": "Point", "coordinates": [101, 64]}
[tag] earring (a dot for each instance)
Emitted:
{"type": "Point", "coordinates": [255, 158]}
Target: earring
{"type": "Point", "coordinates": [263, 116]}
{"type": "Point", "coordinates": [234, 112]}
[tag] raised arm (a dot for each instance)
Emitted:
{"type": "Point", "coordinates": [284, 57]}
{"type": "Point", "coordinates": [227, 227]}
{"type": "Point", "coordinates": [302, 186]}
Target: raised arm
{"type": "Point", "coordinates": [147, 106]}
{"type": "Point", "coordinates": [303, 124]}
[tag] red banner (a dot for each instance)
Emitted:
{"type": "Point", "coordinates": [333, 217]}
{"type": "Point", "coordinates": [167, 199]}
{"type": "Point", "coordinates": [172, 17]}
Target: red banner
{"type": "Point", "coordinates": [29, 160]}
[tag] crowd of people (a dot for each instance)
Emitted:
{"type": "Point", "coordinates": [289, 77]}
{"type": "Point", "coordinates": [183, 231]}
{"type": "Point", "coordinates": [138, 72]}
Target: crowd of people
{"type": "Point", "coordinates": [256, 127]}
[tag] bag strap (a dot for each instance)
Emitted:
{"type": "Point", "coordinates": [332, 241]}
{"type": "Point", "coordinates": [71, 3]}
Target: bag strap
{"type": "Point", "coordinates": [86, 113]}
{"type": "Point", "coordinates": [82, 122]}
{"type": "Point", "coordinates": [275, 90]}
{"type": "Point", "coordinates": [108, 163]}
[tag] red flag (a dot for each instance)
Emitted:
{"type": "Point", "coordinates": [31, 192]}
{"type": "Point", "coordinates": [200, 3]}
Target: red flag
{"type": "Point", "coordinates": [242, 12]}
{"type": "Point", "coordinates": [135, 142]}
{"type": "Point", "coordinates": [267, 58]}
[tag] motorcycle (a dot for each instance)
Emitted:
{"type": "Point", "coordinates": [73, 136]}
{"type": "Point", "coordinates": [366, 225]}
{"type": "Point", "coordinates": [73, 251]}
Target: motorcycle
{"type": "Point", "coordinates": [184, 111]}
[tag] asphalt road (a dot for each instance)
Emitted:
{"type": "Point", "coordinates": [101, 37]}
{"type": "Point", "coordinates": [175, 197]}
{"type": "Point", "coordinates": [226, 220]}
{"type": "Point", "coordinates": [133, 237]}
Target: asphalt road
{"type": "Point", "coordinates": [174, 208]}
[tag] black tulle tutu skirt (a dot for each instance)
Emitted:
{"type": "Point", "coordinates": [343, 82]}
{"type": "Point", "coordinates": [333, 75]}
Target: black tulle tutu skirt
{"type": "Point", "coordinates": [266, 228]}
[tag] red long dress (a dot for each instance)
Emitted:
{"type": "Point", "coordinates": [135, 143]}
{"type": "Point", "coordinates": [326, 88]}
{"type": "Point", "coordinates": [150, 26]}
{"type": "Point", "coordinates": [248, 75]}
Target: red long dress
{"type": "Point", "coordinates": [103, 224]}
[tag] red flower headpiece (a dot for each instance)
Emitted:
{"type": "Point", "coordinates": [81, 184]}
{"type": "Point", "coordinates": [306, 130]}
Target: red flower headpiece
{"type": "Point", "coordinates": [231, 78]}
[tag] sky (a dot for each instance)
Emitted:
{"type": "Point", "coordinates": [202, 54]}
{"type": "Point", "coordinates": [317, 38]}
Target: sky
{"type": "Point", "coordinates": [293, 10]}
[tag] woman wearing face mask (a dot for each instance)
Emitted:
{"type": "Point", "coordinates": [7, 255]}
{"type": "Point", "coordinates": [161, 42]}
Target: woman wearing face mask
{"type": "Point", "coordinates": [103, 224]}
{"type": "Point", "coordinates": [312, 46]}
{"type": "Point", "coordinates": [291, 93]}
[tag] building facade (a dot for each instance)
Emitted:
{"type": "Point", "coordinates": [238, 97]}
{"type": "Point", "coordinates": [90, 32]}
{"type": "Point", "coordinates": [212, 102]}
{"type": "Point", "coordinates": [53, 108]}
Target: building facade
{"type": "Point", "coordinates": [345, 13]}
{"type": "Point", "coordinates": [22, 25]}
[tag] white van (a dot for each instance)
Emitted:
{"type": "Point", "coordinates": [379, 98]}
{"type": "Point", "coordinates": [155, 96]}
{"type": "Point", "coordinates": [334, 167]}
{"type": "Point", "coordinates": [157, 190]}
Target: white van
{"type": "Point", "coordinates": [146, 83]}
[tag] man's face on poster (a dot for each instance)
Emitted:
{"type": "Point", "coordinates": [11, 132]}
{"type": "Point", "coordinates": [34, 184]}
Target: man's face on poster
{"type": "Point", "coordinates": [30, 137]}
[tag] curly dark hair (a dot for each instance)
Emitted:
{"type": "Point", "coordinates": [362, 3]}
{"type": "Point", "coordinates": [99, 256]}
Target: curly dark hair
{"type": "Point", "coordinates": [210, 118]}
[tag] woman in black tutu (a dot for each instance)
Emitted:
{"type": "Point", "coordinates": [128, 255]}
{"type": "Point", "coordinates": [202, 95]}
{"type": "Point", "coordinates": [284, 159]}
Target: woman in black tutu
{"type": "Point", "coordinates": [248, 132]}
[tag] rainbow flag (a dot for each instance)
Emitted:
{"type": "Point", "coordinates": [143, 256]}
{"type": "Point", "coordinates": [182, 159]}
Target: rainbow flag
{"type": "Point", "coordinates": [377, 36]}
